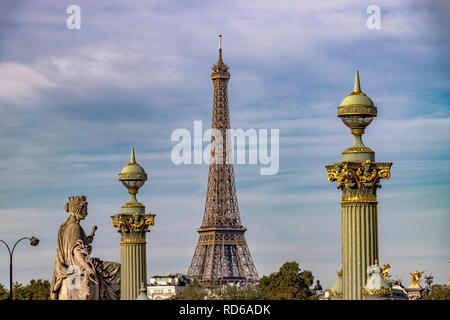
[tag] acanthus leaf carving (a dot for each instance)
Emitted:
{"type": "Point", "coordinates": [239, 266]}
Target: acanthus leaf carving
{"type": "Point", "coordinates": [133, 223]}
{"type": "Point", "coordinates": [359, 179]}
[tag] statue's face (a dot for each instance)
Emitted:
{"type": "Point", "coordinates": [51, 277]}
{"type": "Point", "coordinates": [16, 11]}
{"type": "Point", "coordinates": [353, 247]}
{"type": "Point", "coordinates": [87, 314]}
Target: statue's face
{"type": "Point", "coordinates": [83, 212]}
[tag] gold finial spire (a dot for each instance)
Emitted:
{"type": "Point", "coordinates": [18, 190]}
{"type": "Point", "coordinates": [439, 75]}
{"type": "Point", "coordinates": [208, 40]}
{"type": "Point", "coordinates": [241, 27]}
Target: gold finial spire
{"type": "Point", "coordinates": [132, 160]}
{"type": "Point", "coordinates": [357, 85]}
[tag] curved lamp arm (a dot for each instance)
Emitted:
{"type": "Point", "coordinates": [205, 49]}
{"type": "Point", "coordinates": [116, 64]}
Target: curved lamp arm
{"type": "Point", "coordinates": [9, 250]}
{"type": "Point", "coordinates": [12, 251]}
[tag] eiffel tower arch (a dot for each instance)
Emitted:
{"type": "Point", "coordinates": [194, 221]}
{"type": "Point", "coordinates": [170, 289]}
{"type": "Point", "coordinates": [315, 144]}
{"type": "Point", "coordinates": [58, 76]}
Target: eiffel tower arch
{"type": "Point", "coordinates": [221, 255]}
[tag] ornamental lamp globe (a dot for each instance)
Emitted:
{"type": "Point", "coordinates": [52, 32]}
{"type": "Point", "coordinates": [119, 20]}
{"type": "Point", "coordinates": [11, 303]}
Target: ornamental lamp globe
{"type": "Point", "coordinates": [132, 177]}
{"type": "Point", "coordinates": [357, 111]}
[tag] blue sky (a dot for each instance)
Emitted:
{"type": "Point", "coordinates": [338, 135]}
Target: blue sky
{"type": "Point", "coordinates": [74, 102]}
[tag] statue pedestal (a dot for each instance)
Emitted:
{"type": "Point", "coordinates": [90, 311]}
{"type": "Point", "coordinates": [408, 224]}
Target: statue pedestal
{"type": "Point", "coordinates": [415, 293]}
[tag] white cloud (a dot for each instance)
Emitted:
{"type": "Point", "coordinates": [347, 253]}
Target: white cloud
{"type": "Point", "coordinates": [22, 85]}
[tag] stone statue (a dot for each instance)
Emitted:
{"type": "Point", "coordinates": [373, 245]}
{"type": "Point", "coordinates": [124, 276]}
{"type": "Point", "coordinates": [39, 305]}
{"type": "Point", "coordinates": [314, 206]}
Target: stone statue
{"type": "Point", "coordinates": [77, 276]}
{"type": "Point", "coordinates": [429, 282]}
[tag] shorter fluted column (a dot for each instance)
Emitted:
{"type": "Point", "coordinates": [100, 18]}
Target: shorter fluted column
{"type": "Point", "coordinates": [133, 228]}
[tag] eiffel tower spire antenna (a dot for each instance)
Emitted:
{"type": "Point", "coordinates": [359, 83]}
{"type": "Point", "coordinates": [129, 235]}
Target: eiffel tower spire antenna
{"type": "Point", "coordinates": [221, 255]}
{"type": "Point", "coordinates": [220, 47]}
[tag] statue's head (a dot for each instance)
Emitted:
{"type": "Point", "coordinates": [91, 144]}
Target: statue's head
{"type": "Point", "coordinates": [77, 206]}
{"type": "Point", "coordinates": [337, 167]}
{"type": "Point", "coordinates": [367, 166]}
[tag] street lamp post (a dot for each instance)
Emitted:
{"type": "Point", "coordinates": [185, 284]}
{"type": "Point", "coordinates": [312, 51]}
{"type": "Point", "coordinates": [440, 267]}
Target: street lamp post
{"type": "Point", "coordinates": [34, 242]}
{"type": "Point", "coordinates": [133, 224]}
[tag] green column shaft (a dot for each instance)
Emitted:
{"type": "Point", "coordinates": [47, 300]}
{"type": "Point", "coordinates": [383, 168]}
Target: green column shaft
{"type": "Point", "coordinates": [134, 265]}
{"type": "Point", "coordinates": [359, 245]}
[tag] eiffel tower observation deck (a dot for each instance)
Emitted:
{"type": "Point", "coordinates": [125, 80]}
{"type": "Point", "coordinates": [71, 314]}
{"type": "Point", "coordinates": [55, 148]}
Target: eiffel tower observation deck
{"type": "Point", "coordinates": [221, 255]}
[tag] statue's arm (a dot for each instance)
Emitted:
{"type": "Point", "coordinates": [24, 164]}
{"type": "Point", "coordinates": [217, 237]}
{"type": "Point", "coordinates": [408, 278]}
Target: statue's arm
{"type": "Point", "coordinates": [82, 259]}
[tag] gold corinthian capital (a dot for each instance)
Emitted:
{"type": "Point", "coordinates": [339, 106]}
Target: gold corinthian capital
{"type": "Point", "coordinates": [359, 180]}
{"type": "Point", "coordinates": [136, 222]}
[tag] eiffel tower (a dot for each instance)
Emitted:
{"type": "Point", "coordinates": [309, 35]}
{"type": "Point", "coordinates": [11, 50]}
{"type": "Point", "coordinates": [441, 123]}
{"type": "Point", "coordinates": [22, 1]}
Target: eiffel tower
{"type": "Point", "coordinates": [221, 255]}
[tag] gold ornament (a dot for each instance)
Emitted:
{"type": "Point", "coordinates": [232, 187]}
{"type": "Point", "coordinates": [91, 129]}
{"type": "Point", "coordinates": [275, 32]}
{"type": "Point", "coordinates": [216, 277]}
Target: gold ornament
{"type": "Point", "coordinates": [359, 180]}
{"type": "Point", "coordinates": [136, 222]}
{"type": "Point", "coordinates": [384, 272]}
{"type": "Point", "coordinates": [358, 150]}
{"type": "Point", "coordinates": [335, 294]}
{"type": "Point", "coordinates": [376, 292]}
{"type": "Point", "coordinates": [415, 277]}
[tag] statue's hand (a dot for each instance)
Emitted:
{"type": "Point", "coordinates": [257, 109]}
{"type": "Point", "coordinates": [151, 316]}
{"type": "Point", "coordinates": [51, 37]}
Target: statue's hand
{"type": "Point", "coordinates": [94, 228]}
{"type": "Point", "coordinates": [90, 237]}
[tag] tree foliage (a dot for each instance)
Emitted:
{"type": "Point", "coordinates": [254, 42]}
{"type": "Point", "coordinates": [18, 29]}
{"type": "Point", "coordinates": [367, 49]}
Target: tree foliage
{"type": "Point", "coordinates": [246, 292]}
{"type": "Point", "coordinates": [35, 290]}
{"type": "Point", "coordinates": [438, 292]}
{"type": "Point", "coordinates": [194, 291]}
{"type": "Point", "coordinates": [287, 284]}
{"type": "Point", "coordinates": [4, 294]}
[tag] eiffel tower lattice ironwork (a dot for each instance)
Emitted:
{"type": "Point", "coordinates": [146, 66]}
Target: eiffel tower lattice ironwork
{"type": "Point", "coordinates": [221, 255]}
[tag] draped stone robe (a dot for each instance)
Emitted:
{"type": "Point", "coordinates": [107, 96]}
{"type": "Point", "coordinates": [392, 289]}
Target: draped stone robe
{"type": "Point", "coordinates": [76, 275]}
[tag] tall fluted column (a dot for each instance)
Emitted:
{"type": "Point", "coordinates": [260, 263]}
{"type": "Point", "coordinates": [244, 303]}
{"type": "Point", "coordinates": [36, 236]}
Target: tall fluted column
{"type": "Point", "coordinates": [358, 182]}
{"type": "Point", "coordinates": [358, 177]}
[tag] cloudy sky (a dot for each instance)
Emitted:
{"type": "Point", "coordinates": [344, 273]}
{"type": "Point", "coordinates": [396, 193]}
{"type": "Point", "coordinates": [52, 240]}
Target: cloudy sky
{"type": "Point", "coordinates": [74, 102]}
